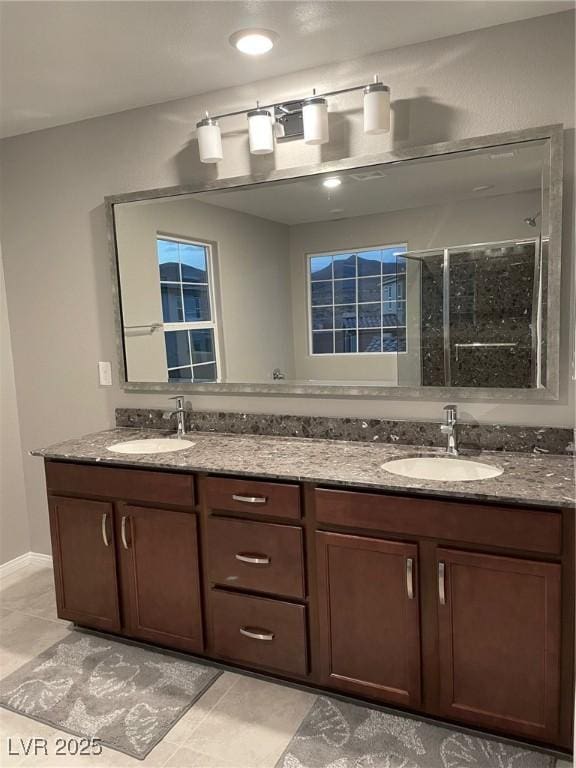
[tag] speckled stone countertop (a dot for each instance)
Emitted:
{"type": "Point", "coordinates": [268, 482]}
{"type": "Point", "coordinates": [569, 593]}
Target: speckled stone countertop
{"type": "Point", "coordinates": [527, 479]}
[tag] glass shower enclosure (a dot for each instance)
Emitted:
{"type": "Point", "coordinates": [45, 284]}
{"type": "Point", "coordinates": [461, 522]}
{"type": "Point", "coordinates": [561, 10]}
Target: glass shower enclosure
{"type": "Point", "coordinates": [476, 316]}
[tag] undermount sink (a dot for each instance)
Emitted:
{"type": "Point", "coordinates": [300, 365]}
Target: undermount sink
{"type": "Point", "coordinates": [443, 468]}
{"type": "Point", "coordinates": [151, 445]}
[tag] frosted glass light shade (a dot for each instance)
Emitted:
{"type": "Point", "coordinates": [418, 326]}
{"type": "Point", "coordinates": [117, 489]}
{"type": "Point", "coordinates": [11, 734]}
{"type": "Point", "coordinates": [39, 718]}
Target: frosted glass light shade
{"type": "Point", "coordinates": [315, 119]}
{"type": "Point", "coordinates": [376, 108]}
{"type": "Point", "coordinates": [209, 141]}
{"type": "Point", "coordinates": [260, 132]}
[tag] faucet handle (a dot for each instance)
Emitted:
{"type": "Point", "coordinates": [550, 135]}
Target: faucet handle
{"type": "Point", "coordinates": [451, 412]}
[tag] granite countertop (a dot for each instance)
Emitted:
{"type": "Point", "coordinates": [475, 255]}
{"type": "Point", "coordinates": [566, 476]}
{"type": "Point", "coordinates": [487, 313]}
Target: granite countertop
{"type": "Point", "coordinates": [543, 480]}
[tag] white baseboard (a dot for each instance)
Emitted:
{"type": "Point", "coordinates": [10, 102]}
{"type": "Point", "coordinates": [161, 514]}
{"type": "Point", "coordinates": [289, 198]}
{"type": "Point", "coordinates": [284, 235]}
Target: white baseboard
{"type": "Point", "coordinates": [29, 558]}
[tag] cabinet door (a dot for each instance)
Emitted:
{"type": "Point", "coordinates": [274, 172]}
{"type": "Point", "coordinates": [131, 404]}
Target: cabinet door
{"type": "Point", "coordinates": [499, 640]}
{"type": "Point", "coordinates": [85, 562]}
{"type": "Point", "coordinates": [369, 617]}
{"type": "Point", "coordinates": [160, 576]}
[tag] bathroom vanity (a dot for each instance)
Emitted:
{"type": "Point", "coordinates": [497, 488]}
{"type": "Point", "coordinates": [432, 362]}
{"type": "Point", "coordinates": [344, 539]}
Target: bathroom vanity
{"type": "Point", "coordinates": [440, 599]}
{"type": "Point", "coordinates": [306, 559]}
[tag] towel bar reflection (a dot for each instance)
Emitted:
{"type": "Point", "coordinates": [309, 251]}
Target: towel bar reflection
{"type": "Point", "coordinates": [479, 344]}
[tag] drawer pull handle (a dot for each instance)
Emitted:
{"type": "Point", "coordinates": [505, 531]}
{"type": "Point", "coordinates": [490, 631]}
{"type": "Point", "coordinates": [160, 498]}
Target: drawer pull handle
{"type": "Point", "coordinates": [410, 578]}
{"type": "Point", "coordinates": [104, 532]}
{"type": "Point", "coordinates": [123, 532]}
{"type": "Point", "coordinates": [256, 634]}
{"type": "Point", "coordinates": [442, 583]}
{"type": "Point", "coordinates": [253, 559]}
{"type": "Point", "coordinates": [250, 499]}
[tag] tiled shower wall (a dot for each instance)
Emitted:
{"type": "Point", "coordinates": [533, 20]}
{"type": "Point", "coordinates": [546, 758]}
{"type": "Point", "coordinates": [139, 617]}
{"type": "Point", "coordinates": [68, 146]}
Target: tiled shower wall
{"type": "Point", "coordinates": [492, 301]}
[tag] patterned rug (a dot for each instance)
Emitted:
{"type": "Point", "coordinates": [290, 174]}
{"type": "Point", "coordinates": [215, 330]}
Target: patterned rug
{"type": "Point", "coordinates": [337, 734]}
{"type": "Point", "coordinates": [126, 696]}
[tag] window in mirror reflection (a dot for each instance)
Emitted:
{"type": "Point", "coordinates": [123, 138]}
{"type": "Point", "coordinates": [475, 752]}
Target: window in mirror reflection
{"type": "Point", "coordinates": [185, 271]}
{"type": "Point", "coordinates": [357, 301]}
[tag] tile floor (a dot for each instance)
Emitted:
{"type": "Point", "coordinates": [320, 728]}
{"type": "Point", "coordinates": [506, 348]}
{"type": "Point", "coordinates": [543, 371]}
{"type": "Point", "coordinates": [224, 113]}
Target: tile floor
{"type": "Point", "coordinates": [238, 723]}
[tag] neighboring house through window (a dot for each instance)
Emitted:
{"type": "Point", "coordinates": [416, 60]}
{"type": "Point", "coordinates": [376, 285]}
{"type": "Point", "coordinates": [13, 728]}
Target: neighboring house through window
{"type": "Point", "coordinates": [186, 286]}
{"type": "Point", "coordinates": [357, 301]}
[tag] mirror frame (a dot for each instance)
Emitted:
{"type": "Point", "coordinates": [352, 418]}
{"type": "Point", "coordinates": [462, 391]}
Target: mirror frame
{"type": "Point", "coordinates": [552, 133]}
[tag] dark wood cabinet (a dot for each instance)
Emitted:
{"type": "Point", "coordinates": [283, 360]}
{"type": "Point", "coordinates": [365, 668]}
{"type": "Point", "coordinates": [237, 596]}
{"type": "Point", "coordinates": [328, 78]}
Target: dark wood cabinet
{"type": "Point", "coordinates": [457, 610]}
{"type": "Point", "coordinates": [85, 562]}
{"type": "Point", "coordinates": [160, 576]}
{"type": "Point", "coordinates": [369, 617]}
{"type": "Point", "coordinates": [264, 633]}
{"type": "Point", "coordinates": [499, 641]}
{"type": "Point", "coordinates": [260, 557]}
{"type": "Point", "coordinates": [122, 567]}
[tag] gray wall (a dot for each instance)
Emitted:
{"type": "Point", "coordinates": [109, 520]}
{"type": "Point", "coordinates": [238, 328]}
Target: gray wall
{"type": "Point", "coordinates": [57, 274]}
{"type": "Point", "coordinates": [14, 529]}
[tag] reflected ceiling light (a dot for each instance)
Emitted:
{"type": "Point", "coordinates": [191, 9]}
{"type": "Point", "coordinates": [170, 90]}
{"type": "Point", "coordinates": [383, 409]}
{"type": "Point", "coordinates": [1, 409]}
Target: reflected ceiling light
{"type": "Point", "coordinates": [332, 182]}
{"type": "Point", "coordinates": [253, 42]}
{"type": "Point", "coordinates": [483, 187]}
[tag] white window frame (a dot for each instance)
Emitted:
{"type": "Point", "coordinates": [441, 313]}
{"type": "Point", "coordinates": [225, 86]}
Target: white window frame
{"type": "Point", "coordinates": [309, 281]}
{"type": "Point", "coordinates": [201, 324]}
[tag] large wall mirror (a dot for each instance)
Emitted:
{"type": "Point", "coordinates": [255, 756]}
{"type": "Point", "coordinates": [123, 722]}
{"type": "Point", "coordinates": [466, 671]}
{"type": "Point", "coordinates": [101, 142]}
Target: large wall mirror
{"type": "Point", "coordinates": [436, 271]}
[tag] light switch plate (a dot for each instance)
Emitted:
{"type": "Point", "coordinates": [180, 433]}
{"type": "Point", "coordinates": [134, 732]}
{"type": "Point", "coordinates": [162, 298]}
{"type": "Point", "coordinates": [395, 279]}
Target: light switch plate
{"type": "Point", "coordinates": [105, 374]}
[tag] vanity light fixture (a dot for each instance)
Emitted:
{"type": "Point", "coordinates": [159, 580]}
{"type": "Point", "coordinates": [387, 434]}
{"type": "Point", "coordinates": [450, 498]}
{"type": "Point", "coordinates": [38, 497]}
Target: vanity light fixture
{"type": "Point", "coordinates": [305, 118]}
{"type": "Point", "coordinates": [332, 182]}
{"type": "Point", "coordinates": [376, 107]}
{"type": "Point", "coordinates": [209, 140]}
{"type": "Point", "coordinates": [315, 119]}
{"type": "Point", "coordinates": [253, 42]}
{"type": "Point", "coordinates": [260, 133]}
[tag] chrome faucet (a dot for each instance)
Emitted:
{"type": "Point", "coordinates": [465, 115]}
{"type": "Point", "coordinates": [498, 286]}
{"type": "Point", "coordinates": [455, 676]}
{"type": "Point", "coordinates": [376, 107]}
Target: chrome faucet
{"type": "Point", "coordinates": [450, 428]}
{"type": "Point", "coordinates": [180, 414]}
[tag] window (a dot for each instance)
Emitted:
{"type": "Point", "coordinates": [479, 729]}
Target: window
{"type": "Point", "coordinates": [358, 301]}
{"type": "Point", "coordinates": [187, 308]}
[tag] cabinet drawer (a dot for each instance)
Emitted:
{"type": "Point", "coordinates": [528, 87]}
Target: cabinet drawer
{"type": "Point", "coordinates": [130, 484]}
{"type": "Point", "coordinates": [526, 529]}
{"type": "Point", "coordinates": [259, 632]}
{"type": "Point", "coordinates": [259, 556]}
{"type": "Point", "coordinates": [272, 499]}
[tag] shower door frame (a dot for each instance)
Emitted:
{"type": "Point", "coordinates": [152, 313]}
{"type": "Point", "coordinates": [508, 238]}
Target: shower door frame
{"type": "Point", "coordinates": [536, 324]}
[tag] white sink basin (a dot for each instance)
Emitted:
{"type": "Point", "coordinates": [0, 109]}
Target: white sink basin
{"type": "Point", "coordinates": [151, 445]}
{"type": "Point", "coordinates": [443, 468]}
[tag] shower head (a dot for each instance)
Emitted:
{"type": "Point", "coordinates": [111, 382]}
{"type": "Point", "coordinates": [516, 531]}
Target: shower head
{"type": "Point", "coordinates": [531, 220]}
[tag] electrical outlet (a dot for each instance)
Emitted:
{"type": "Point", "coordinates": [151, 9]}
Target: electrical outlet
{"type": "Point", "coordinates": [105, 374]}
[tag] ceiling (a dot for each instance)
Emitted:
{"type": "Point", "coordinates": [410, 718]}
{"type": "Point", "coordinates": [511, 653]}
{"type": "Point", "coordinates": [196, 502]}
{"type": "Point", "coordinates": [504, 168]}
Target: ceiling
{"type": "Point", "coordinates": [446, 179]}
{"type": "Point", "coordinates": [67, 61]}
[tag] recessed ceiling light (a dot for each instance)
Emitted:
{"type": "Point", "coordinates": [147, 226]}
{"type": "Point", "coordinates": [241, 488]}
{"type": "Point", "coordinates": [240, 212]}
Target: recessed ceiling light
{"type": "Point", "coordinates": [332, 182]}
{"type": "Point", "coordinates": [253, 42]}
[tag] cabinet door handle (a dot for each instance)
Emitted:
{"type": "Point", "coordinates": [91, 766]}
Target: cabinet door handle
{"type": "Point", "coordinates": [253, 558]}
{"type": "Point", "coordinates": [410, 578]}
{"type": "Point", "coordinates": [104, 531]}
{"type": "Point", "coordinates": [442, 583]}
{"type": "Point", "coordinates": [250, 499]}
{"type": "Point", "coordinates": [123, 531]}
{"type": "Point", "coordinates": [256, 634]}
